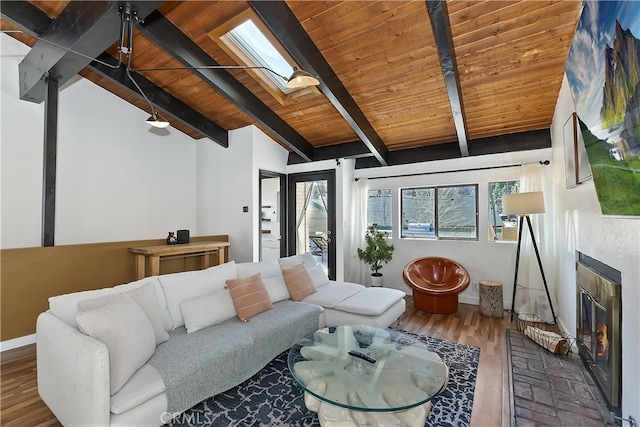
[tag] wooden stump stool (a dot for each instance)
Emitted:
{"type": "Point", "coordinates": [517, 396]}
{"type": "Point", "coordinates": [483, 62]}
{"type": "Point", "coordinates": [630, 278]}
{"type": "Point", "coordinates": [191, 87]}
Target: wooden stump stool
{"type": "Point", "coordinates": [491, 304]}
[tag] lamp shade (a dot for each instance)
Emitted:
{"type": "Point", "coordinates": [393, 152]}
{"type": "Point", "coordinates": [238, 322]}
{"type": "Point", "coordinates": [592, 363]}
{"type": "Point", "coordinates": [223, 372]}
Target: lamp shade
{"type": "Point", "coordinates": [523, 203]}
{"type": "Point", "coordinates": [156, 120]}
{"type": "Point", "coordinates": [301, 78]}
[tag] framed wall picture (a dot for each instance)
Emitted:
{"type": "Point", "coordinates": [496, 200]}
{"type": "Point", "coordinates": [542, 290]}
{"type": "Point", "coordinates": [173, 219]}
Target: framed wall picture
{"type": "Point", "coordinates": [602, 71]}
{"type": "Point", "coordinates": [576, 162]}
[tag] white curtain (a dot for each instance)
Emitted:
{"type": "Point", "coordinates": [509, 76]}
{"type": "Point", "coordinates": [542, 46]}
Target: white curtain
{"type": "Point", "coordinates": [531, 296]}
{"type": "Point", "coordinates": [357, 271]}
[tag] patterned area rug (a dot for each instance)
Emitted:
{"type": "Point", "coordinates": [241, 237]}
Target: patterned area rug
{"type": "Point", "coordinates": [273, 398]}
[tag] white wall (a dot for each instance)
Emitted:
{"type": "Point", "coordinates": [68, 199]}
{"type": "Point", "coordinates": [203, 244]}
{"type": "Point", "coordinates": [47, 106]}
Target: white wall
{"type": "Point", "coordinates": [226, 183]}
{"type": "Point", "coordinates": [484, 259]}
{"type": "Point", "coordinates": [116, 180]}
{"type": "Point", "coordinates": [267, 156]}
{"type": "Point", "coordinates": [22, 152]}
{"type": "Point", "coordinates": [615, 241]}
{"type": "Point", "coordinates": [229, 180]}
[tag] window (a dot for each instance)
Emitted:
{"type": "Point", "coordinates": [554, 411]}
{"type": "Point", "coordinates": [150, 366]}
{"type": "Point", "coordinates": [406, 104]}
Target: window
{"type": "Point", "coordinates": [440, 212]}
{"type": "Point", "coordinates": [248, 37]}
{"type": "Point", "coordinates": [249, 42]}
{"type": "Point", "coordinates": [501, 227]}
{"type": "Point", "coordinates": [379, 209]}
{"type": "Point", "coordinates": [418, 212]}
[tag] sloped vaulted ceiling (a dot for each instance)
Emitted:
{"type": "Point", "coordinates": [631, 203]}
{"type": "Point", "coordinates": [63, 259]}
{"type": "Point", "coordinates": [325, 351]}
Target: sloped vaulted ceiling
{"type": "Point", "coordinates": [401, 81]}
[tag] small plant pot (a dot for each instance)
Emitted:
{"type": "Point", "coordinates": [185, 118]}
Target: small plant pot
{"type": "Point", "coordinates": [376, 279]}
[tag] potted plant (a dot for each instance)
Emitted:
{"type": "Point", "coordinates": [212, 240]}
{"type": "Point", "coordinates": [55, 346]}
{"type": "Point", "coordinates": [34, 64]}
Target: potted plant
{"type": "Point", "coordinates": [377, 251]}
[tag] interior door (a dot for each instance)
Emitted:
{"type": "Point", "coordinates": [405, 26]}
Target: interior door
{"type": "Point", "coordinates": [312, 224]}
{"type": "Point", "coordinates": [272, 215]}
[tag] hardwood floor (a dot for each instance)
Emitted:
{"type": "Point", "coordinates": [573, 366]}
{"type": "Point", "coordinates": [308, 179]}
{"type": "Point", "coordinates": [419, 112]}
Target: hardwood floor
{"type": "Point", "coordinates": [20, 404]}
{"type": "Point", "coordinates": [468, 326]}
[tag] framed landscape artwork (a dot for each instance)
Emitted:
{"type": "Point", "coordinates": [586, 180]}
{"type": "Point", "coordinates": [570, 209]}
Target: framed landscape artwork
{"type": "Point", "coordinates": [603, 69]}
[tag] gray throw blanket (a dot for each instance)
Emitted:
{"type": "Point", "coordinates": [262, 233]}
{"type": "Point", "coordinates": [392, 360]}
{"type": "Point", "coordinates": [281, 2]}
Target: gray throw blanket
{"type": "Point", "coordinates": [215, 359]}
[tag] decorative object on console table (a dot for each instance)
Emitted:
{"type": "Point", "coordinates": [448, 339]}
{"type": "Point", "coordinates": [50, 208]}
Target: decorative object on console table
{"type": "Point", "coordinates": [524, 204]}
{"type": "Point", "coordinates": [377, 251]}
{"type": "Point", "coordinates": [171, 238]}
{"type": "Point", "coordinates": [183, 237]}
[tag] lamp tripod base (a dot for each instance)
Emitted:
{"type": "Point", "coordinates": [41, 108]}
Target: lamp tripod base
{"type": "Point", "coordinates": [515, 278]}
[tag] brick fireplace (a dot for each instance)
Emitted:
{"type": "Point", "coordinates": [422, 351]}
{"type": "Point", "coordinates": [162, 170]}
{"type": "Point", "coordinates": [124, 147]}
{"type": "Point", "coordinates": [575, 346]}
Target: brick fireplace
{"type": "Point", "coordinates": [599, 333]}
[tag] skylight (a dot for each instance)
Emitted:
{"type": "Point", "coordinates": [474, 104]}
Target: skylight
{"type": "Point", "coordinates": [255, 44]}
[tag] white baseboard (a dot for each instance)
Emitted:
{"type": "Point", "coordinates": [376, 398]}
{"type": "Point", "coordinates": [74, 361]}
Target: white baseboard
{"type": "Point", "coordinates": [469, 299]}
{"type": "Point", "coordinates": [17, 342]}
{"type": "Point", "coordinates": [475, 300]}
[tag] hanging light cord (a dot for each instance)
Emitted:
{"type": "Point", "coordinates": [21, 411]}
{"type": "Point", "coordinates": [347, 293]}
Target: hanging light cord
{"type": "Point", "coordinates": [213, 67]}
{"type": "Point", "coordinates": [125, 47]}
{"type": "Point", "coordinates": [121, 49]}
{"type": "Point", "coordinates": [126, 32]}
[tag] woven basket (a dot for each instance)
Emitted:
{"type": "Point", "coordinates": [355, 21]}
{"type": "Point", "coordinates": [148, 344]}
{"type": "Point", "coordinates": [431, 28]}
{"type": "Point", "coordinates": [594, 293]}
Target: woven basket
{"type": "Point", "coordinates": [547, 335]}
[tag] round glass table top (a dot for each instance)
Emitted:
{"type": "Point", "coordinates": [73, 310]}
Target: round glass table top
{"type": "Point", "coordinates": [367, 368]}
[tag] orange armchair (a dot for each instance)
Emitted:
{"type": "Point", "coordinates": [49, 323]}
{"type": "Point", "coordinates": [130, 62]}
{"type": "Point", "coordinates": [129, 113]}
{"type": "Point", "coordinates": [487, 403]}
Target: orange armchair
{"type": "Point", "coordinates": [436, 283]}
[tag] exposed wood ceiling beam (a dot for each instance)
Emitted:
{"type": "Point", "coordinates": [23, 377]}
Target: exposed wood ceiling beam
{"type": "Point", "coordinates": [284, 24]}
{"type": "Point", "coordinates": [523, 141]}
{"type": "Point", "coordinates": [84, 27]}
{"type": "Point", "coordinates": [34, 21]}
{"type": "Point", "coordinates": [166, 35]}
{"type": "Point", "coordinates": [347, 150]}
{"type": "Point", "coordinates": [442, 32]}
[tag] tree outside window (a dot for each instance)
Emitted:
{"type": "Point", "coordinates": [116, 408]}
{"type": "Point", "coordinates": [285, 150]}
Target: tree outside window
{"type": "Point", "coordinates": [440, 212]}
{"type": "Point", "coordinates": [379, 210]}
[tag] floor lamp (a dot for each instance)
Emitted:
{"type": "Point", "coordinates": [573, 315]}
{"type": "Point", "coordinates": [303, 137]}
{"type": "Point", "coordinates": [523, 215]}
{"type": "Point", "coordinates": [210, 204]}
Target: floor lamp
{"type": "Point", "coordinates": [523, 205]}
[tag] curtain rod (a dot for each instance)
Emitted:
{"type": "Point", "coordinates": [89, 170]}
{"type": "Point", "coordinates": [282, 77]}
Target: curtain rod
{"type": "Point", "coordinates": [542, 162]}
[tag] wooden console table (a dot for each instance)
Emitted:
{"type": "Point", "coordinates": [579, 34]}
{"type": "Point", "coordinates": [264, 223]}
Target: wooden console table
{"type": "Point", "coordinates": [154, 253]}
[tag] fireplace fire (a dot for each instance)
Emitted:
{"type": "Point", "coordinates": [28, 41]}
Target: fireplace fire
{"type": "Point", "coordinates": [599, 335]}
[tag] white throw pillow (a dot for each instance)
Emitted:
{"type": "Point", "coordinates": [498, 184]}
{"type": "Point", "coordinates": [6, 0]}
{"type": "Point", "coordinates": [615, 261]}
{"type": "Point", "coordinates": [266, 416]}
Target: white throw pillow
{"type": "Point", "coordinates": [127, 333]}
{"type": "Point", "coordinates": [179, 287]}
{"type": "Point", "coordinates": [162, 303]}
{"type": "Point", "coordinates": [277, 289]}
{"type": "Point", "coordinates": [306, 258]}
{"type": "Point", "coordinates": [145, 297]}
{"type": "Point", "coordinates": [65, 307]}
{"type": "Point", "coordinates": [318, 275]}
{"type": "Point", "coordinates": [267, 269]}
{"type": "Point", "coordinates": [207, 310]}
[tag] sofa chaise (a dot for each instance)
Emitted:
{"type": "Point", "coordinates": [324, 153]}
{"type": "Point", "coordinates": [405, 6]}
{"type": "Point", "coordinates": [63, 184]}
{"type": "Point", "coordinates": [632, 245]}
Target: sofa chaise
{"type": "Point", "coordinates": [141, 353]}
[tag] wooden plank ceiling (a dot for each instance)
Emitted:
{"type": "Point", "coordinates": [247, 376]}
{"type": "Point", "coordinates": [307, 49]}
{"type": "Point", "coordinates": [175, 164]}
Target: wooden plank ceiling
{"type": "Point", "coordinates": [385, 95]}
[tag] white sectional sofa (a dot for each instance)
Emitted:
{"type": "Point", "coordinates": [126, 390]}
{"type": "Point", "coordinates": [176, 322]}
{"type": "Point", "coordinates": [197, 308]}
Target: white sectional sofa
{"type": "Point", "coordinates": [140, 353]}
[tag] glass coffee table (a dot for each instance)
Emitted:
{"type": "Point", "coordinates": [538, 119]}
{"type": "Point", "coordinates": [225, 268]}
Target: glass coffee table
{"type": "Point", "coordinates": [365, 375]}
